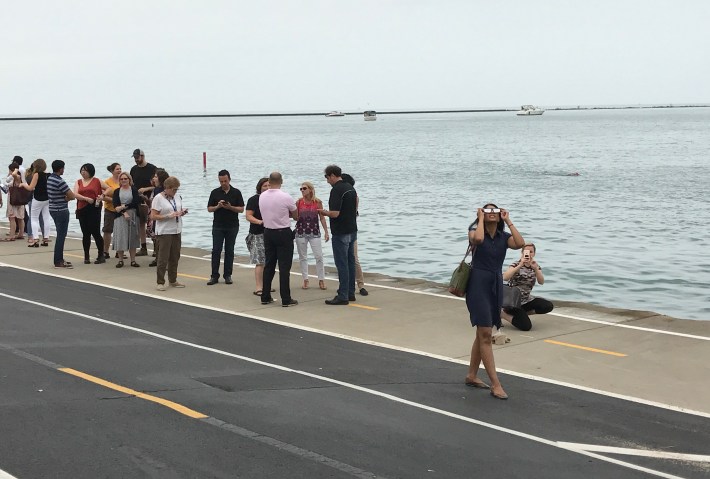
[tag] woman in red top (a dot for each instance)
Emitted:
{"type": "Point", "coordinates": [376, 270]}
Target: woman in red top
{"type": "Point", "coordinates": [89, 193]}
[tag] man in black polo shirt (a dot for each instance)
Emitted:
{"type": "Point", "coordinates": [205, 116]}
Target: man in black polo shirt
{"type": "Point", "coordinates": [142, 174]}
{"type": "Point", "coordinates": [343, 232]}
{"type": "Point", "coordinates": [226, 203]}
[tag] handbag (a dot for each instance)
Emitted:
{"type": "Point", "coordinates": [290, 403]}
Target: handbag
{"type": "Point", "coordinates": [19, 196]}
{"type": "Point", "coordinates": [511, 296]}
{"type": "Point", "coordinates": [462, 273]}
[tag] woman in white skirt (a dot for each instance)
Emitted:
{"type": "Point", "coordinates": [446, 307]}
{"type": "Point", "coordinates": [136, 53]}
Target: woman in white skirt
{"type": "Point", "coordinates": [125, 227]}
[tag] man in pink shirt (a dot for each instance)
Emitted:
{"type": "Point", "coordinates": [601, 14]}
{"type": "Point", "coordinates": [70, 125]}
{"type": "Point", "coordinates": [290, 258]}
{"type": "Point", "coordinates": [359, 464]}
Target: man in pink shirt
{"type": "Point", "coordinates": [277, 208]}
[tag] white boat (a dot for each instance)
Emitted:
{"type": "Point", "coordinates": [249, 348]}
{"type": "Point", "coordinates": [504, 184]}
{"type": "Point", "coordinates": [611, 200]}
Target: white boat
{"type": "Point", "coordinates": [370, 115]}
{"type": "Point", "coordinates": [335, 113]}
{"type": "Point", "coordinates": [530, 110]}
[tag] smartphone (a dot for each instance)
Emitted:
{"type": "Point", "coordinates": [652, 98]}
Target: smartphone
{"type": "Point", "coordinates": [526, 255]}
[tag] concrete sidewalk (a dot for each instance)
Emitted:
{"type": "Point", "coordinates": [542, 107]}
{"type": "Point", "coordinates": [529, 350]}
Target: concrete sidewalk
{"type": "Point", "coordinates": [641, 355]}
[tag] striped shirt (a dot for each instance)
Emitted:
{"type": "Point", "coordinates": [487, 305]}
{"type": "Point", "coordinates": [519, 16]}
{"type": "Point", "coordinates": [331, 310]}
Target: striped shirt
{"type": "Point", "coordinates": [56, 190]}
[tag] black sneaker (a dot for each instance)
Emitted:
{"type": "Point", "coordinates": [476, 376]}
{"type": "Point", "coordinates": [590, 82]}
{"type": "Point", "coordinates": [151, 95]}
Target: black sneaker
{"type": "Point", "coordinates": [336, 302]}
{"type": "Point", "coordinates": [100, 260]}
{"type": "Point", "coordinates": [352, 298]}
{"type": "Point", "coordinates": [290, 302]}
{"type": "Point", "coordinates": [363, 292]}
{"type": "Point", "coordinates": [106, 255]}
{"type": "Point", "coordinates": [153, 263]}
{"type": "Point", "coordinates": [268, 301]}
{"type": "Point", "coordinates": [228, 280]}
{"type": "Point", "coordinates": [212, 281]}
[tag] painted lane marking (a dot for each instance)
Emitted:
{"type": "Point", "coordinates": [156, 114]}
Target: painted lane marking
{"type": "Point", "coordinates": [131, 392]}
{"type": "Point", "coordinates": [192, 276]}
{"type": "Point", "coordinates": [585, 348]}
{"type": "Point", "coordinates": [6, 475]}
{"type": "Point", "coordinates": [362, 306]}
{"type": "Point", "coordinates": [560, 315]}
{"type": "Point", "coordinates": [670, 407]}
{"type": "Point", "coordinates": [674, 456]}
{"type": "Point", "coordinates": [234, 429]}
{"type": "Point", "coordinates": [355, 387]}
{"type": "Point", "coordinates": [450, 297]}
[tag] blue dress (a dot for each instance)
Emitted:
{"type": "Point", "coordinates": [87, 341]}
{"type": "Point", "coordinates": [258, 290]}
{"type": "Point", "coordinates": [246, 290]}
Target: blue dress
{"type": "Point", "coordinates": [484, 295]}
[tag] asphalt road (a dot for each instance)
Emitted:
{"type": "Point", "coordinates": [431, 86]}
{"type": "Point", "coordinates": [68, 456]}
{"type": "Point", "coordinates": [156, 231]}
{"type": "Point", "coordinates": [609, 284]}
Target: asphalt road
{"type": "Point", "coordinates": [216, 395]}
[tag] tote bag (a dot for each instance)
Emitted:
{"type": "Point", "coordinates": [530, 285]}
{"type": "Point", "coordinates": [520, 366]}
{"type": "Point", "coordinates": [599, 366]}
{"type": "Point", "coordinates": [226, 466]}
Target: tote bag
{"type": "Point", "coordinates": [461, 275]}
{"type": "Point", "coordinates": [511, 296]}
{"type": "Point", "coordinates": [19, 196]}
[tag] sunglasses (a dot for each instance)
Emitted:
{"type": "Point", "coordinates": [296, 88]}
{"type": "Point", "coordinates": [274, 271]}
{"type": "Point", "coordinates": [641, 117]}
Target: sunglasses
{"type": "Point", "coordinates": [304, 188]}
{"type": "Point", "coordinates": [491, 210]}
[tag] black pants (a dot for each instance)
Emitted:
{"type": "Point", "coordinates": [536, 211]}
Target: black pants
{"type": "Point", "coordinates": [90, 222]}
{"type": "Point", "coordinates": [521, 320]}
{"type": "Point", "coordinates": [278, 246]}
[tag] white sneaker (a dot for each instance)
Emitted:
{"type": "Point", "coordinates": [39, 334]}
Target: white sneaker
{"type": "Point", "coordinates": [177, 285]}
{"type": "Point", "coordinates": [161, 287]}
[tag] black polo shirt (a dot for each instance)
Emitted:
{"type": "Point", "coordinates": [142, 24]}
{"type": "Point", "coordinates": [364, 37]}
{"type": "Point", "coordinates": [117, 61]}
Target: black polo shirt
{"type": "Point", "coordinates": [343, 198]}
{"type": "Point", "coordinates": [224, 218]}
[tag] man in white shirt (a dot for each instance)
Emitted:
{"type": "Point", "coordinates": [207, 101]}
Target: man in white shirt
{"type": "Point", "coordinates": [277, 208]}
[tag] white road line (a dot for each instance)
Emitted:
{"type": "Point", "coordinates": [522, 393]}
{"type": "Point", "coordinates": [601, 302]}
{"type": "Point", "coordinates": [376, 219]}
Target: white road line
{"type": "Point", "coordinates": [576, 318]}
{"type": "Point", "coordinates": [5, 475]}
{"type": "Point", "coordinates": [670, 407]}
{"type": "Point", "coordinates": [355, 387]}
{"type": "Point", "coordinates": [675, 456]}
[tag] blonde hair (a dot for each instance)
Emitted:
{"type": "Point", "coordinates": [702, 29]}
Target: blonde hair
{"type": "Point", "coordinates": [128, 175]}
{"type": "Point", "coordinates": [310, 186]}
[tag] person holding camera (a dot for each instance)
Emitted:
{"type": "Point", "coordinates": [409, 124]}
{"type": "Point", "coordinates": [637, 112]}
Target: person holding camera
{"type": "Point", "coordinates": [167, 212]}
{"type": "Point", "coordinates": [226, 202]}
{"type": "Point", "coordinates": [524, 274]}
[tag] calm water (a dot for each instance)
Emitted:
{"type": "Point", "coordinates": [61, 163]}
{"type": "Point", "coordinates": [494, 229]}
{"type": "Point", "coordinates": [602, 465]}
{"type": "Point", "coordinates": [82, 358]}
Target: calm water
{"type": "Point", "coordinates": [631, 231]}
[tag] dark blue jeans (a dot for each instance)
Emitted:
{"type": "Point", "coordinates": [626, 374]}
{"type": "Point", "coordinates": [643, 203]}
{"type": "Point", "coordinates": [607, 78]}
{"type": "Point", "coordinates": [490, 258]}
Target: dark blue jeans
{"type": "Point", "coordinates": [61, 221]}
{"type": "Point", "coordinates": [226, 237]}
{"type": "Point", "coordinates": [344, 257]}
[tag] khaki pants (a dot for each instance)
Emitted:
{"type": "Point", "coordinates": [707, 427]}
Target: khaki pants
{"type": "Point", "coordinates": [168, 256]}
{"type": "Point", "coordinates": [359, 277]}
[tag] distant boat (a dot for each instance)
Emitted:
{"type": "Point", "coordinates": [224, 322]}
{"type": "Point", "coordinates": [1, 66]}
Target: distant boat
{"type": "Point", "coordinates": [335, 113]}
{"type": "Point", "coordinates": [370, 115]}
{"type": "Point", "coordinates": [530, 110]}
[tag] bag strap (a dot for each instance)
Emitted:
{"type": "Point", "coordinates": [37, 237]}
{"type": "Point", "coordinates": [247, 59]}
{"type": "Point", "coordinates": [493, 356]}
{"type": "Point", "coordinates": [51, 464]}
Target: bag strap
{"type": "Point", "coordinates": [470, 250]}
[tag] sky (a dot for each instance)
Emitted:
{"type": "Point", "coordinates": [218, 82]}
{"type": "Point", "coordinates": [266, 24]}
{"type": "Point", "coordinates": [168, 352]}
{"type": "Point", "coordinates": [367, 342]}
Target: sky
{"type": "Point", "coordinates": [78, 57]}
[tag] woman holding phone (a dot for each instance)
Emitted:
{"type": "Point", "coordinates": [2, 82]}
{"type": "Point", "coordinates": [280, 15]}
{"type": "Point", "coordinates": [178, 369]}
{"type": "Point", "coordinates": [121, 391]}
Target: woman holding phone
{"type": "Point", "coordinates": [167, 212]}
{"type": "Point", "coordinates": [523, 274]}
{"type": "Point", "coordinates": [484, 294]}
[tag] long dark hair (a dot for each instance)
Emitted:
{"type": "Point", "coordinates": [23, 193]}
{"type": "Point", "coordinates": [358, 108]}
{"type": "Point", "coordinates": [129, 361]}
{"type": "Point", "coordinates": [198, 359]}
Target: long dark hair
{"type": "Point", "coordinates": [259, 184]}
{"type": "Point", "coordinates": [500, 226]}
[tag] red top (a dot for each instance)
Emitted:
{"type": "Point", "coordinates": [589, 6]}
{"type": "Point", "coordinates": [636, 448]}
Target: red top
{"type": "Point", "coordinates": [92, 190]}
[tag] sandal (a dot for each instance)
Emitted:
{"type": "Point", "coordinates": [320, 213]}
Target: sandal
{"type": "Point", "coordinates": [33, 245]}
{"type": "Point", "coordinates": [45, 243]}
{"type": "Point", "coordinates": [321, 285]}
{"type": "Point", "coordinates": [257, 292]}
{"type": "Point", "coordinates": [119, 264]}
{"type": "Point", "coordinates": [135, 265]}
{"type": "Point", "coordinates": [305, 284]}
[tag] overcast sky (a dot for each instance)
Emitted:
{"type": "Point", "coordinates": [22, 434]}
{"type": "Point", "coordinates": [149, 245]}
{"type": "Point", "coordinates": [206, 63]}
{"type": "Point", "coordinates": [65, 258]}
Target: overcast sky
{"type": "Point", "coordinates": [186, 56]}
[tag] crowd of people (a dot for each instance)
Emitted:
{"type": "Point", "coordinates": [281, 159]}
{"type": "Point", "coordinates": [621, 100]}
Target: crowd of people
{"type": "Point", "coordinates": [144, 203]}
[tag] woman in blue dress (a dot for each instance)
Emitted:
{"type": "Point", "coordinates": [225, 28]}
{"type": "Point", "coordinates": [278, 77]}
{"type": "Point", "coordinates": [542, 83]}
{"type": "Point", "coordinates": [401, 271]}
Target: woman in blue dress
{"type": "Point", "coordinates": [484, 295]}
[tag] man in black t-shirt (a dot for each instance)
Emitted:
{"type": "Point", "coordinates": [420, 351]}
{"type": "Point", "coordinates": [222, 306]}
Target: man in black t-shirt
{"type": "Point", "coordinates": [142, 174]}
{"type": "Point", "coordinates": [343, 231]}
{"type": "Point", "coordinates": [226, 203]}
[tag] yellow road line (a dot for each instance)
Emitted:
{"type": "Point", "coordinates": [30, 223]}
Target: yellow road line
{"type": "Point", "coordinates": [594, 350]}
{"type": "Point", "coordinates": [73, 255]}
{"type": "Point", "coordinates": [172, 405]}
{"type": "Point", "coordinates": [191, 276]}
{"type": "Point", "coordinates": [371, 308]}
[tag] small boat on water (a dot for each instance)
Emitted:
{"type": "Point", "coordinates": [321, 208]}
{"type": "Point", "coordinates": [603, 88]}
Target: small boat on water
{"type": "Point", "coordinates": [335, 113]}
{"type": "Point", "coordinates": [370, 115]}
{"type": "Point", "coordinates": [530, 110]}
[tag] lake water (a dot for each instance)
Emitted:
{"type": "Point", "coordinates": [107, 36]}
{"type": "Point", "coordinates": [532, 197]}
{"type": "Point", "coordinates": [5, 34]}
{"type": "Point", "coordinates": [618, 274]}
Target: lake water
{"type": "Point", "coordinates": [630, 231]}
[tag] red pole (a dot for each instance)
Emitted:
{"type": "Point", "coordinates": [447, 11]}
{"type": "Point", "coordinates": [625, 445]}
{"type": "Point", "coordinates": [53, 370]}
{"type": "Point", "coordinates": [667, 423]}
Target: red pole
{"type": "Point", "coordinates": [204, 161]}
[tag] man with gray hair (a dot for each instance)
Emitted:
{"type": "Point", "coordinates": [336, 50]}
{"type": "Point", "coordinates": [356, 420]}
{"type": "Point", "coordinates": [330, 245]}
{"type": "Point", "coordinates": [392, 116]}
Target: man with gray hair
{"type": "Point", "coordinates": [277, 208]}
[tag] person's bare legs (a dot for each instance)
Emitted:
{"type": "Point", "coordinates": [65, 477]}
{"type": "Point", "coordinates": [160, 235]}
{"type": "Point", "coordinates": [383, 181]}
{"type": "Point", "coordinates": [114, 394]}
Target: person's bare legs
{"type": "Point", "coordinates": [107, 242]}
{"type": "Point", "coordinates": [482, 351]}
{"type": "Point", "coordinates": [259, 276]}
{"type": "Point", "coordinates": [20, 224]}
